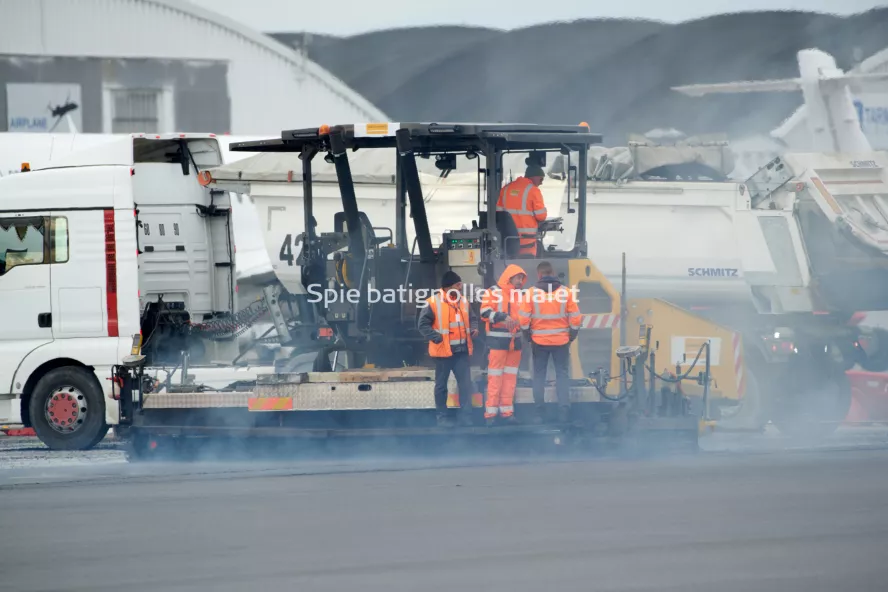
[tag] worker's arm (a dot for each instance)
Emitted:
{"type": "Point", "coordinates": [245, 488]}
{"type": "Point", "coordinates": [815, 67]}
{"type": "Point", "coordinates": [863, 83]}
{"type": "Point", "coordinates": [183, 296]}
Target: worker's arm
{"type": "Point", "coordinates": [524, 313]}
{"type": "Point", "coordinates": [487, 301]}
{"type": "Point", "coordinates": [425, 323]}
{"type": "Point", "coordinates": [488, 306]}
{"type": "Point", "coordinates": [536, 204]}
{"type": "Point", "coordinates": [499, 317]}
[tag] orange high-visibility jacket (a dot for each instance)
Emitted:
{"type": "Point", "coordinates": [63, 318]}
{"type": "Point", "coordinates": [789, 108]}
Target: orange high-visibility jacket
{"type": "Point", "coordinates": [550, 315]}
{"type": "Point", "coordinates": [451, 322]}
{"type": "Point", "coordinates": [499, 303]}
{"type": "Point", "coordinates": [524, 201]}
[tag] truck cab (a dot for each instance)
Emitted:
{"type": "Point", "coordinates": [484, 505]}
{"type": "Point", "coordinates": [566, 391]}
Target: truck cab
{"type": "Point", "coordinates": [103, 246]}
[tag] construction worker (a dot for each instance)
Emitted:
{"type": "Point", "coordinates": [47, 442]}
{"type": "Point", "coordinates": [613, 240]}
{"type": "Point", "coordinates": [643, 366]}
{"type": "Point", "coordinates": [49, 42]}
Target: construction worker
{"type": "Point", "coordinates": [551, 316]}
{"type": "Point", "coordinates": [524, 201]}
{"type": "Point", "coordinates": [500, 306]}
{"type": "Point", "coordinates": [446, 322]}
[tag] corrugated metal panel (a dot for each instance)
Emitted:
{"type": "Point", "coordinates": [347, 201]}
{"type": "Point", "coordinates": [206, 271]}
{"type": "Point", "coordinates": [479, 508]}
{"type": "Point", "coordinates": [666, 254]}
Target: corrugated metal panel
{"type": "Point", "coordinates": [270, 85]}
{"type": "Point", "coordinates": [135, 111]}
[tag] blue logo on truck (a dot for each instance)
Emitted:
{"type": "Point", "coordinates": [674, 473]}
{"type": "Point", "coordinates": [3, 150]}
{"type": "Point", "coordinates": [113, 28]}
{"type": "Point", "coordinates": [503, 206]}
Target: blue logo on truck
{"type": "Point", "coordinates": [713, 272]}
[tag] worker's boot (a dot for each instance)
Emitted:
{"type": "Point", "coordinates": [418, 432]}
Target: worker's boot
{"type": "Point", "coordinates": [564, 414]}
{"type": "Point", "coordinates": [510, 420]}
{"type": "Point", "coordinates": [445, 421]}
{"type": "Point", "coordinates": [465, 419]}
{"type": "Point", "coordinates": [490, 422]}
{"type": "Point", "coordinates": [539, 415]}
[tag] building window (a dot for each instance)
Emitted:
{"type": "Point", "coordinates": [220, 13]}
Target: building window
{"type": "Point", "coordinates": [135, 111]}
{"type": "Point", "coordinates": [24, 241]}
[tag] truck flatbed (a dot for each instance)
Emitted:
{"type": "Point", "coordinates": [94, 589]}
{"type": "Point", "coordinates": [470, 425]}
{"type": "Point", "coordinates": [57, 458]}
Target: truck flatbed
{"type": "Point", "coordinates": [352, 390]}
{"type": "Point", "coordinates": [394, 405]}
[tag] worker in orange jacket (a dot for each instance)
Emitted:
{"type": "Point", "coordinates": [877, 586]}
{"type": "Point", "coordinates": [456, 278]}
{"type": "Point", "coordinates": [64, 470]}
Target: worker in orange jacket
{"type": "Point", "coordinates": [500, 306]}
{"type": "Point", "coordinates": [551, 315]}
{"type": "Point", "coordinates": [524, 201]}
{"type": "Point", "coordinates": [446, 322]}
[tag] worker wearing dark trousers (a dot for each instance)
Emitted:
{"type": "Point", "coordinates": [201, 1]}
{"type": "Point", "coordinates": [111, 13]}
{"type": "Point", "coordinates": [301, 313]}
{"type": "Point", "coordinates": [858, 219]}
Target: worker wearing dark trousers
{"type": "Point", "coordinates": [551, 316]}
{"type": "Point", "coordinates": [560, 355]}
{"type": "Point", "coordinates": [446, 322]}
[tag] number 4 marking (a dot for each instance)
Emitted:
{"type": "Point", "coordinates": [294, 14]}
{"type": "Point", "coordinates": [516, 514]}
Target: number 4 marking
{"type": "Point", "coordinates": [286, 253]}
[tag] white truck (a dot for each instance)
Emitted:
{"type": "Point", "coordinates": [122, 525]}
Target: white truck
{"type": "Point", "coordinates": [107, 243]}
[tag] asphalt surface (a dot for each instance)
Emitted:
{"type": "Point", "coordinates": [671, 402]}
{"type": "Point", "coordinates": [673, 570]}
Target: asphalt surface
{"type": "Point", "coordinates": [752, 513]}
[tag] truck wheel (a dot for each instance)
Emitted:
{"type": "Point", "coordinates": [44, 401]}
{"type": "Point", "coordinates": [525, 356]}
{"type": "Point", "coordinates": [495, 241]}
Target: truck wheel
{"type": "Point", "coordinates": [815, 414]}
{"type": "Point", "coordinates": [876, 349]}
{"type": "Point", "coordinates": [68, 409]}
{"type": "Point", "coordinates": [750, 414]}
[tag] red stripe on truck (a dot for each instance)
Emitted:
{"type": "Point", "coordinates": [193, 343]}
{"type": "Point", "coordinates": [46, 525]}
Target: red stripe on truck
{"type": "Point", "coordinates": [111, 273]}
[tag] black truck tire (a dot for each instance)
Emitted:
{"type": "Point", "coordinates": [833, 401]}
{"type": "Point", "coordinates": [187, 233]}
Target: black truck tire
{"type": "Point", "coordinates": [877, 359]}
{"type": "Point", "coordinates": [67, 409]}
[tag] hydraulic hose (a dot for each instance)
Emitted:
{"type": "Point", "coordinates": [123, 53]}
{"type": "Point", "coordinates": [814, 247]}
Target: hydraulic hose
{"type": "Point", "coordinates": [233, 326]}
{"type": "Point", "coordinates": [684, 375]}
{"type": "Point", "coordinates": [602, 390]}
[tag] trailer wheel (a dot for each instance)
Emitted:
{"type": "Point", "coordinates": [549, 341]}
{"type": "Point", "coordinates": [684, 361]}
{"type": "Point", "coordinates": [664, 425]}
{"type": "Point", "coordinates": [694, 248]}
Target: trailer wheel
{"type": "Point", "coordinates": [68, 409]}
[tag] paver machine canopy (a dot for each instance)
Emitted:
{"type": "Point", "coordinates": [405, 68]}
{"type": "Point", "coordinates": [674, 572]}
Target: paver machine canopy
{"type": "Point", "coordinates": [364, 263]}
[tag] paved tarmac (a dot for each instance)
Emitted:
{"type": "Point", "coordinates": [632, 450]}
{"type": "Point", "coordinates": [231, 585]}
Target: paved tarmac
{"type": "Point", "coordinates": [755, 518]}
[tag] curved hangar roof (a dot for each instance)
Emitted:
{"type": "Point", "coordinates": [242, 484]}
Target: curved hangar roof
{"type": "Point", "coordinates": [271, 86]}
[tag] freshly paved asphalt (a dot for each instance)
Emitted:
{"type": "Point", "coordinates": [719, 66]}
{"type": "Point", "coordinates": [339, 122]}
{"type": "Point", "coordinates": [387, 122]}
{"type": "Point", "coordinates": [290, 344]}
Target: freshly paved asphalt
{"type": "Point", "coordinates": [759, 519]}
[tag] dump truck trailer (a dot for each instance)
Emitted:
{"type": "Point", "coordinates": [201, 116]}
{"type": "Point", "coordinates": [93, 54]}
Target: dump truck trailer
{"type": "Point", "coordinates": [760, 259]}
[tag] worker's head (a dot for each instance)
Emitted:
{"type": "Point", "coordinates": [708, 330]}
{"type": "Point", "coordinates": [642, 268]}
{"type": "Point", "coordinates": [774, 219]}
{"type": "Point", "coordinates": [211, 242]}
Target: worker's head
{"type": "Point", "coordinates": [545, 269]}
{"type": "Point", "coordinates": [451, 283]}
{"type": "Point", "coordinates": [517, 280]}
{"type": "Point", "coordinates": [535, 173]}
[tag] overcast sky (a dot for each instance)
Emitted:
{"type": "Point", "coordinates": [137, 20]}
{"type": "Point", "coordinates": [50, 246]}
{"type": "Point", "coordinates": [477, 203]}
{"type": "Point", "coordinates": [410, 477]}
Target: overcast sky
{"type": "Point", "coordinates": [348, 17]}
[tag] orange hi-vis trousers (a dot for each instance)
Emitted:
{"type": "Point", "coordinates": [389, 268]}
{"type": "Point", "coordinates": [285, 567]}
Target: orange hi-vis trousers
{"type": "Point", "coordinates": [502, 378]}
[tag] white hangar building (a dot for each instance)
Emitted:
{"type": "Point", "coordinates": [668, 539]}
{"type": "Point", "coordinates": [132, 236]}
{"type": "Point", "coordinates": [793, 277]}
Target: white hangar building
{"type": "Point", "coordinates": [118, 66]}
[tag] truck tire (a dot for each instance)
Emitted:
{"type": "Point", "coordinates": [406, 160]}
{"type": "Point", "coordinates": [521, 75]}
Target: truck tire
{"type": "Point", "coordinates": [68, 409]}
{"type": "Point", "coordinates": [876, 358]}
{"type": "Point", "coordinates": [751, 413]}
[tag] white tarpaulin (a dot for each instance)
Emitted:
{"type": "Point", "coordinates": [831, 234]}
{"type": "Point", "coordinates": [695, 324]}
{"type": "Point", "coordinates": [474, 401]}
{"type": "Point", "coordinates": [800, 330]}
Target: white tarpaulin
{"type": "Point", "coordinates": [367, 166]}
